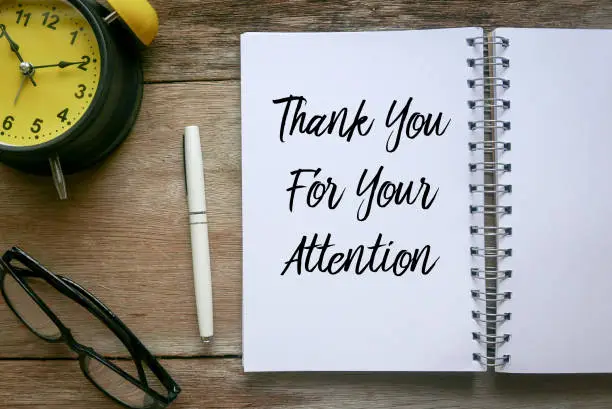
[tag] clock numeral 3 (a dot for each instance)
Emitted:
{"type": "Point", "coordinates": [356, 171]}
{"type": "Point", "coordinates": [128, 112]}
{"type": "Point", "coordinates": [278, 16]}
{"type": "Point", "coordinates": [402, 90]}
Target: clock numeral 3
{"type": "Point", "coordinates": [81, 93]}
{"type": "Point", "coordinates": [8, 123]}
{"type": "Point", "coordinates": [86, 61]}
{"type": "Point", "coordinates": [63, 115]}
{"type": "Point", "coordinates": [36, 126]}
{"type": "Point", "coordinates": [54, 19]}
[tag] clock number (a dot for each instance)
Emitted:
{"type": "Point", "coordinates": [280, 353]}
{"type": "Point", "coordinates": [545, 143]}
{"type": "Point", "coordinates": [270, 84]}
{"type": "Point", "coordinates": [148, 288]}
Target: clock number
{"type": "Point", "coordinates": [63, 115]}
{"type": "Point", "coordinates": [86, 61]}
{"type": "Point", "coordinates": [25, 16]}
{"type": "Point", "coordinates": [36, 126]}
{"type": "Point", "coordinates": [54, 20]}
{"type": "Point", "coordinates": [74, 35]}
{"type": "Point", "coordinates": [81, 93]}
{"type": "Point", "coordinates": [8, 123]}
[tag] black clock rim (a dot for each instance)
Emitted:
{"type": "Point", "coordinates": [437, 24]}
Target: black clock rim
{"type": "Point", "coordinates": [95, 106]}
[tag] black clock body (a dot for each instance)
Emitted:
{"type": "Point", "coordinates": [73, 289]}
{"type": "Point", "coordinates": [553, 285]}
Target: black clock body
{"type": "Point", "coordinates": [110, 116]}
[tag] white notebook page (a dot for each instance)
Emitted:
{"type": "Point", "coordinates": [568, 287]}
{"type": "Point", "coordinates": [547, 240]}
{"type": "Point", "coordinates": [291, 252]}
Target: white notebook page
{"type": "Point", "coordinates": [561, 104]}
{"type": "Point", "coordinates": [345, 321]}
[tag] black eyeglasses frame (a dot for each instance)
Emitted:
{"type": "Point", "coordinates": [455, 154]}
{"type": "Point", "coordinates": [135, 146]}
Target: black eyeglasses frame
{"type": "Point", "coordinates": [139, 353]}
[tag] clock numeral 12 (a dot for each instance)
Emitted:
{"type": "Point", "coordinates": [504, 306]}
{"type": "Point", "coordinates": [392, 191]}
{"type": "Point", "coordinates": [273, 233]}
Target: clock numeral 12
{"type": "Point", "coordinates": [26, 16]}
{"type": "Point", "coordinates": [54, 20]}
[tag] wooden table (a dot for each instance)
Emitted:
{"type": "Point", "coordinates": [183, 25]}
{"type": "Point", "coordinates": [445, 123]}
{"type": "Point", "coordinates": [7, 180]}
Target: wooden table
{"type": "Point", "coordinates": [123, 235]}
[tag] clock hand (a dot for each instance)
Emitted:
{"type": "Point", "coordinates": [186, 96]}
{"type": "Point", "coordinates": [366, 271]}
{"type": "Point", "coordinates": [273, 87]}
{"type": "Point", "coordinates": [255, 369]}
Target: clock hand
{"type": "Point", "coordinates": [61, 64]}
{"type": "Point", "coordinates": [20, 88]}
{"type": "Point", "coordinates": [13, 44]}
{"type": "Point", "coordinates": [14, 47]}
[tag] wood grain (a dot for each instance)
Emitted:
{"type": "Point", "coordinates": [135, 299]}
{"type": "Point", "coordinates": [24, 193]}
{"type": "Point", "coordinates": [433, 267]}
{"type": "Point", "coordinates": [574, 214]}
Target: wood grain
{"type": "Point", "coordinates": [124, 233]}
{"type": "Point", "coordinates": [220, 384]}
{"type": "Point", "coordinates": [200, 40]}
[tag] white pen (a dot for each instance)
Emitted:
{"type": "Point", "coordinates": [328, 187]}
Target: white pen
{"type": "Point", "coordinates": [198, 221]}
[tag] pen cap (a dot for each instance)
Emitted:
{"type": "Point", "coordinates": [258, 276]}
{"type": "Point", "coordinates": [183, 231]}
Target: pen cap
{"type": "Point", "coordinates": [194, 168]}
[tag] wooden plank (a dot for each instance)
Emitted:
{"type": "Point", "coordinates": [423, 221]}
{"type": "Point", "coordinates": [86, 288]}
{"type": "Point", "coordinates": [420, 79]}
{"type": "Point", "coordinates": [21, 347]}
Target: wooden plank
{"type": "Point", "coordinates": [200, 40]}
{"type": "Point", "coordinates": [124, 234]}
{"type": "Point", "coordinates": [220, 383]}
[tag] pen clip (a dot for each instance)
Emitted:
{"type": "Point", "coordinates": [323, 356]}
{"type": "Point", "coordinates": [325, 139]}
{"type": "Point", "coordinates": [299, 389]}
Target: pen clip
{"type": "Point", "coordinates": [185, 165]}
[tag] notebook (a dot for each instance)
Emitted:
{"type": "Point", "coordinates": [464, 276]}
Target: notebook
{"type": "Point", "coordinates": [427, 200]}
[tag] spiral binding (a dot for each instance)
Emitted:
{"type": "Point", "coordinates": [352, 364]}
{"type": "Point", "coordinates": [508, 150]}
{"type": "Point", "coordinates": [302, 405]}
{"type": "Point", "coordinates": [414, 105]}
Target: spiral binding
{"type": "Point", "coordinates": [490, 188]}
{"type": "Point", "coordinates": [498, 318]}
{"type": "Point", "coordinates": [490, 167]}
{"type": "Point", "coordinates": [490, 146]}
{"type": "Point", "coordinates": [491, 276]}
{"type": "Point", "coordinates": [504, 42]}
{"type": "Point", "coordinates": [491, 209]}
{"type": "Point", "coordinates": [504, 62]}
{"type": "Point", "coordinates": [497, 339]}
{"type": "Point", "coordinates": [505, 125]}
{"type": "Point", "coordinates": [482, 82]}
{"type": "Point", "coordinates": [491, 231]}
{"type": "Point", "coordinates": [486, 102]}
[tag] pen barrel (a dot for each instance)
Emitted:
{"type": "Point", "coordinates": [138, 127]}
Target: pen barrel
{"type": "Point", "coordinates": [194, 171]}
{"type": "Point", "coordinates": [202, 273]}
{"type": "Point", "coordinates": [198, 221]}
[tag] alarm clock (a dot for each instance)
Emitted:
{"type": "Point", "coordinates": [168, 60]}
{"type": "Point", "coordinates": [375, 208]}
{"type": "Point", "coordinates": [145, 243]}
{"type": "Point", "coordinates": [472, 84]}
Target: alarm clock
{"type": "Point", "coordinates": [72, 81]}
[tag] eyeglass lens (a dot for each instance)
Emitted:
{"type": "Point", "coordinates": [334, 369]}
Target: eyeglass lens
{"type": "Point", "coordinates": [117, 386]}
{"type": "Point", "coordinates": [28, 310]}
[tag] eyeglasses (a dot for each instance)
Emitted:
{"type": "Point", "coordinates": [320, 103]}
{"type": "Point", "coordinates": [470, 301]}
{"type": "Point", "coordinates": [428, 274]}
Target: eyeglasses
{"type": "Point", "coordinates": [44, 302]}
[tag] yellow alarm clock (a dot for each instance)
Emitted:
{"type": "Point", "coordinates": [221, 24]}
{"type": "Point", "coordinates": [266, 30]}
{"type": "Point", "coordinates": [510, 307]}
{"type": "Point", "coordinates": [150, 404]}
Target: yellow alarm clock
{"type": "Point", "coordinates": [72, 81]}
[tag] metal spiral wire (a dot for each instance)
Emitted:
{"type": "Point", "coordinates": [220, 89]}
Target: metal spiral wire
{"type": "Point", "coordinates": [485, 195]}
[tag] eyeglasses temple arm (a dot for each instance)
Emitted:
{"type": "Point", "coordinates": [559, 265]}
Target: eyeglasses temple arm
{"type": "Point", "coordinates": [25, 272]}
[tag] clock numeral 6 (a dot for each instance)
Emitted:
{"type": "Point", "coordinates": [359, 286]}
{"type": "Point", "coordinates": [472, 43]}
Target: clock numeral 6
{"type": "Point", "coordinates": [8, 123]}
{"type": "Point", "coordinates": [36, 126]}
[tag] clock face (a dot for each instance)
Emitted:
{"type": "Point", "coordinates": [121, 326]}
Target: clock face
{"type": "Point", "coordinates": [49, 68]}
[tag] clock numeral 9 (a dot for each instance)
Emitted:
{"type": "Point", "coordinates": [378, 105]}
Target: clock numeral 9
{"type": "Point", "coordinates": [54, 20]}
{"type": "Point", "coordinates": [8, 123]}
{"type": "Point", "coordinates": [81, 93]}
{"type": "Point", "coordinates": [36, 126]}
